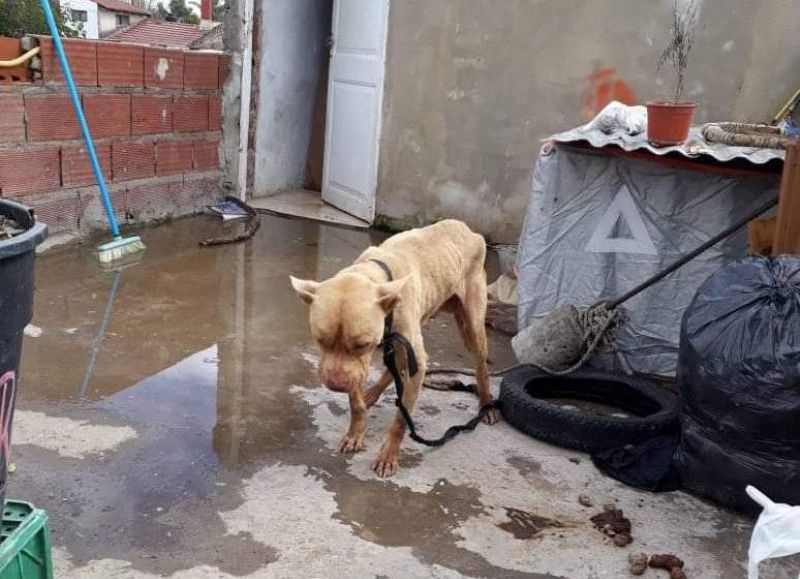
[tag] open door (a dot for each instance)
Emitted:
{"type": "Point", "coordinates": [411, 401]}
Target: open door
{"type": "Point", "coordinates": [355, 98]}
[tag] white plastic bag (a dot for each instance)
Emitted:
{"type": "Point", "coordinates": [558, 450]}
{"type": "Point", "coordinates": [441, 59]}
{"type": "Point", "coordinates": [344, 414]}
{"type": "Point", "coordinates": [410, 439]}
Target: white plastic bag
{"type": "Point", "coordinates": [776, 534]}
{"type": "Point", "coordinates": [616, 117]}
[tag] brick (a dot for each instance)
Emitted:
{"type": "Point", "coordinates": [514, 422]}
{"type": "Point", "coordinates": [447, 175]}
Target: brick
{"type": "Point", "coordinates": [224, 69]}
{"type": "Point", "coordinates": [201, 71]}
{"type": "Point", "coordinates": [215, 112]}
{"type": "Point", "coordinates": [150, 200]}
{"type": "Point", "coordinates": [76, 169]}
{"type": "Point", "coordinates": [151, 114]}
{"type": "Point", "coordinates": [206, 155]}
{"type": "Point", "coordinates": [26, 171]}
{"type": "Point", "coordinates": [9, 50]}
{"type": "Point", "coordinates": [191, 114]}
{"type": "Point", "coordinates": [51, 118]}
{"type": "Point", "coordinates": [163, 68]}
{"type": "Point", "coordinates": [132, 160]}
{"type": "Point", "coordinates": [59, 211]}
{"type": "Point", "coordinates": [12, 118]}
{"type": "Point", "coordinates": [173, 157]}
{"type": "Point", "coordinates": [120, 65]}
{"type": "Point", "coordinates": [82, 56]}
{"type": "Point", "coordinates": [108, 115]}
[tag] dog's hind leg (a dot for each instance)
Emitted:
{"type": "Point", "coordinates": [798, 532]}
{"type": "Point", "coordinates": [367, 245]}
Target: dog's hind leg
{"type": "Point", "coordinates": [470, 314]}
{"type": "Point", "coordinates": [372, 394]}
{"type": "Point", "coordinates": [386, 463]}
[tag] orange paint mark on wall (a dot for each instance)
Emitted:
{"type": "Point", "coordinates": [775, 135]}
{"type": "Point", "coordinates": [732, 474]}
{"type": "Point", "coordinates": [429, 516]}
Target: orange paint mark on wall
{"type": "Point", "coordinates": [602, 87]}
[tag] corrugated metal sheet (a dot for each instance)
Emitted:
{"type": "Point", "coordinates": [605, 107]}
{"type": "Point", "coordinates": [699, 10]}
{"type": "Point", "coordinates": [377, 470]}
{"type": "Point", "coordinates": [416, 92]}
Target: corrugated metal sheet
{"type": "Point", "coordinates": [120, 6]}
{"type": "Point", "coordinates": [159, 33]}
{"type": "Point", "coordinates": [696, 147]}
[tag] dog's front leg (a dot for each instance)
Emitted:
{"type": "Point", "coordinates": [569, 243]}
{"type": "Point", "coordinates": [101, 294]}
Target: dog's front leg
{"type": "Point", "coordinates": [353, 441]}
{"type": "Point", "coordinates": [373, 394]}
{"type": "Point", "coordinates": [386, 463]}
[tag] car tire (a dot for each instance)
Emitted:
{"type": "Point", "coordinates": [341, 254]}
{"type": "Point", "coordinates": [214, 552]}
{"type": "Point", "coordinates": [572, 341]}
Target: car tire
{"type": "Point", "coordinates": [525, 402]}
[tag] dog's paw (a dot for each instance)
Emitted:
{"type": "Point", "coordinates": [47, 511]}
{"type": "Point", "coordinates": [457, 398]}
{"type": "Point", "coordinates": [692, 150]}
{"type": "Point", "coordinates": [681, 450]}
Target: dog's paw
{"type": "Point", "coordinates": [385, 465]}
{"type": "Point", "coordinates": [352, 443]}
{"type": "Point", "coordinates": [491, 417]}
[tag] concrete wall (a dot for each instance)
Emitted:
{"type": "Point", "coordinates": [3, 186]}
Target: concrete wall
{"type": "Point", "coordinates": [232, 40]}
{"type": "Point", "coordinates": [472, 87]}
{"type": "Point", "coordinates": [90, 27]}
{"type": "Point", "coordinates": [292, 37]}
{"type": "Point", "coordinates": [108, 21]}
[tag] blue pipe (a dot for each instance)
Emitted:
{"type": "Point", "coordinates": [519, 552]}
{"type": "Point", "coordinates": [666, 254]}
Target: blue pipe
{"type": "Point", "coordinates": [76, 103]}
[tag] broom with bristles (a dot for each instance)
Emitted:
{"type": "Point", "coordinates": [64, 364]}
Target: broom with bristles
{"type": "Point", "coordinates": [119, 246]}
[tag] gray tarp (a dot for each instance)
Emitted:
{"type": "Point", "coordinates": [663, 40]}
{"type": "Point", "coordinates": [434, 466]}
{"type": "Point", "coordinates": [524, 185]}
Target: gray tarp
{"type": "Point", "coordinates": [597, 225]}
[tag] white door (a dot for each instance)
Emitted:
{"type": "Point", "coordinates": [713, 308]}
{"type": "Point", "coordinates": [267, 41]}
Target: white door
{"type": "Point", "coordinates": [355, 96]}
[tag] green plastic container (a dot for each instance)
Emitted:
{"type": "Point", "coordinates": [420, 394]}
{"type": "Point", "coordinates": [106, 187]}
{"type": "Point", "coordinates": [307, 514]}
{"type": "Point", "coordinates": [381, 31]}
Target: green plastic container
{"type": "Point", "coordinates": [25, 543]}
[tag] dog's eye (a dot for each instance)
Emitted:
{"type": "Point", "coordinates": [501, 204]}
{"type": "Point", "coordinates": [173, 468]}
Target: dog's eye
{"type": "Point", "coordinates": [361, 346]}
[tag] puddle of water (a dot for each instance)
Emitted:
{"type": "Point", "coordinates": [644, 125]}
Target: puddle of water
{"type": "Point", "coordinates": [196, 350]}
{"type": "Point", "coordinates": [578, 405]}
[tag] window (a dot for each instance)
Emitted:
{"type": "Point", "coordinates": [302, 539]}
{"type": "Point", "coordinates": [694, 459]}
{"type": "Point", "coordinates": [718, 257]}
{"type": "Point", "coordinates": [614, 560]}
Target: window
{"type": "Point", "coordinates": [123, 20]}
{"type": "Point", "coordinates": [79, 15]}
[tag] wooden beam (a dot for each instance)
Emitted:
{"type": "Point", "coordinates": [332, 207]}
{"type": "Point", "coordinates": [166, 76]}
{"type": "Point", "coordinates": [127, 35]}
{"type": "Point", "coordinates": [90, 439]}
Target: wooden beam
{"type": "Point", "coordinates": [787, 226]}
{"type": "Point", "coordinates": [761, 236]}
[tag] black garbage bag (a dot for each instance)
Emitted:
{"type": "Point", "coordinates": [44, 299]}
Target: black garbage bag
{"type": "Point", "coordinates": [648, 466]}
{"type": "Point", "coordinates": [739, 379]}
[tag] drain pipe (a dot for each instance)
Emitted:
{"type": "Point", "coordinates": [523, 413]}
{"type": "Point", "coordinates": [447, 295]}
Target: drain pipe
{"type": "Point", "coordinates": [244, 99]}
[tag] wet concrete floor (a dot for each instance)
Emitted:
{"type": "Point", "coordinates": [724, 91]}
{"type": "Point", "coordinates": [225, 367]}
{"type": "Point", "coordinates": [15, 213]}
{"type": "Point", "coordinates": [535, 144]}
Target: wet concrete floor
{"type": "Point", "coordinates": [170, 422]}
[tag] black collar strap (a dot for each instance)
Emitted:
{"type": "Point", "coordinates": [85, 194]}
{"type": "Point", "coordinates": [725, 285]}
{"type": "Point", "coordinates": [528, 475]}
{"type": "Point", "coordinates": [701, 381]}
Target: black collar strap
{"type": "Point", "coordinates": [385, 268]}
{"type": "Point", "coordinates": [390, 337]}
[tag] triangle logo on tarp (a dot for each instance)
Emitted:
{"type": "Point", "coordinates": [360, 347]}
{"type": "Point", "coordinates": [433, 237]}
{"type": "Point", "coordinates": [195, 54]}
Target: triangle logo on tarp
{"type": "Point", "coordinates": [621, 229]}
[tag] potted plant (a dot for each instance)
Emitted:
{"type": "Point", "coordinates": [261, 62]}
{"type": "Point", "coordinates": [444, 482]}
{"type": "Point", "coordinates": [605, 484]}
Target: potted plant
{"type": "Point", "coordinates": [668, 122]}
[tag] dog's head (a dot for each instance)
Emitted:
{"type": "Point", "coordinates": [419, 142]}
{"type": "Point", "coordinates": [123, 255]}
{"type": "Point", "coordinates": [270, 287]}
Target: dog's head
{"type": "Point", "coordinates": [346, 317]}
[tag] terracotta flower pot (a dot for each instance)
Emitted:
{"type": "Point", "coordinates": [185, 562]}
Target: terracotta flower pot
{"type": "Point", "coordinates": [668, 123]}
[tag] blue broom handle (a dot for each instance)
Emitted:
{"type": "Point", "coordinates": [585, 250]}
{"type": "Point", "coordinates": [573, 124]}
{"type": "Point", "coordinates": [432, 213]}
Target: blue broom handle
{"type": "Point", "coordinates": [76, 103]}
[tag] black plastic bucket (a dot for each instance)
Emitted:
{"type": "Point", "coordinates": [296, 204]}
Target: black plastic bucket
{"type": "Point", "coordinates": [17, 255]}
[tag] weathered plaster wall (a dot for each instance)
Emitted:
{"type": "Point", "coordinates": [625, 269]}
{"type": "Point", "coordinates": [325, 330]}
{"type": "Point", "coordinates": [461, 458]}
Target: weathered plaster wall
{"type": "Point", "coordinates": [472, 88]}
{"type": "Point", "coordinates": [232, 37]}
{"type": "Point", "coordinates": [292, 35]}
{"type": "Point", "coordinates": [107, 21]}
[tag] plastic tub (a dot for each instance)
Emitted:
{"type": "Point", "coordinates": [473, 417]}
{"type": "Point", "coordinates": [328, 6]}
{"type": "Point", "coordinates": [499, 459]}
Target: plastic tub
{"type": "Point", "coordinates": [17, 256]}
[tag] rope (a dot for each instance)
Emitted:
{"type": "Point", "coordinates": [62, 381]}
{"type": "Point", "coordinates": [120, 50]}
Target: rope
{"type": "Point", "coordinates": [598, 324]}
{"type": "Point", "coordinates": [390, 338]}
{"type": "Point", "coordinates": [389, 361]}
{"type": "Point", "coordinates": [746, 135]}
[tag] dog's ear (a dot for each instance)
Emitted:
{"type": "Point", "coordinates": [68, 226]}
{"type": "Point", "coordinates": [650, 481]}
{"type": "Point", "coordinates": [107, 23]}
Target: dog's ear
{"type": "Point", "coordinates": [305, 288]}
{"type": "Point", "coordinates": [389, 293]}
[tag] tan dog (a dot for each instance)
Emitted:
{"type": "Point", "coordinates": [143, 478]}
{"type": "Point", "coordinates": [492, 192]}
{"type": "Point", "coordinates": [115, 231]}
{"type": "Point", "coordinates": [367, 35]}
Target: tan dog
{"type": "Point", "coordinates": [440, 267]}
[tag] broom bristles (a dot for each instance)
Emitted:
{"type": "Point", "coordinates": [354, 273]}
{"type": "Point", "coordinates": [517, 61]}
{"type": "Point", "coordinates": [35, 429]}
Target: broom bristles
{"type": "Point", "coordinates": [119, 248]}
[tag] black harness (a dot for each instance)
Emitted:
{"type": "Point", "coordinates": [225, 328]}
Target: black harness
{"type": "Point", "coordinates": [390, 340]}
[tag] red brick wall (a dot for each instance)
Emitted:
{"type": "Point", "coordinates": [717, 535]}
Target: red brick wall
{"type": "Point", "coordinates": [155, 119]}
